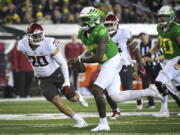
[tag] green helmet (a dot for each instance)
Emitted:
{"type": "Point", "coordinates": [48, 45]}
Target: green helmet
{"type": "Point", "coordinates": [168, 13]}
{"type": "Point", "coordinates": [89, 17]}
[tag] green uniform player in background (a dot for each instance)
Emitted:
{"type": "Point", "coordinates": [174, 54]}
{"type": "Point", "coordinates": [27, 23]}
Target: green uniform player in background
{"type": "Point", "coordinates": [169, 41]}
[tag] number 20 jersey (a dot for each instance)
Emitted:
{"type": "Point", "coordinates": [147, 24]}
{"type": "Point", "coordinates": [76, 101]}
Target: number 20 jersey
{"type": "Point", "coordinates": [168, 42]}
{"type": "Point", "coordinates": [41, 60]}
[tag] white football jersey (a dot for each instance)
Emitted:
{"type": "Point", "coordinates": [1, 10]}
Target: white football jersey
{"type": "Point", "coordinates": [41, 60]}
{"type": "Point", "coordinates": [121, 38]}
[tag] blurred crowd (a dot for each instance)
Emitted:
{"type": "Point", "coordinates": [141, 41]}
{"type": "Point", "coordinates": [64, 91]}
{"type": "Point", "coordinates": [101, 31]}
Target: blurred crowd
{"type": "Point", "coordinates": [67, 11]}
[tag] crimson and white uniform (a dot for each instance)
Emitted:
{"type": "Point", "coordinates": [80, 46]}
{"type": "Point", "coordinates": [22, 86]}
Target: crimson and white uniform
{"type": "Point", "coordinates": [41, 60]}
{"type": "Point", "coordinates": [121, 38]}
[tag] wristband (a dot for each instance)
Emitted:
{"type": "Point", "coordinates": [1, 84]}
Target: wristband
{"type": "Point", "coordinates": [79, 59]}
{"type": "Point", "coordinates": [66, 82]}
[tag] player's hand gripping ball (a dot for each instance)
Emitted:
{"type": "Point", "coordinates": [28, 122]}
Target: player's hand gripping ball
{"type": "Point", "coordinates": [76, 65]}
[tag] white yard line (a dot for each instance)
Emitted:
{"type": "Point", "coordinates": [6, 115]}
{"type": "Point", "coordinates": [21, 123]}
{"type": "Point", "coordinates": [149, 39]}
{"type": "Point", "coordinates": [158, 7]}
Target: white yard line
{"type": "Point", "coordinates": [87, 97]}
{"type": "Point", "coordinates": [48, 116]}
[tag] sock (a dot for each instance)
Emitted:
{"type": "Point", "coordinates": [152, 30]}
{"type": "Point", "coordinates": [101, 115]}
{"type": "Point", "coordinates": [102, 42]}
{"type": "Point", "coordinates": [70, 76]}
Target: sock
{"type": "Point", "coordinates": [80, 97]}
{"type": "Point", "coordinates": [104, 121]}
{"type": "Point", "coordinates": [75, 117]}
{"type": "Point", "coordinates": [164, 106]}
{"type": "Point", "coordinates": [118, 110]}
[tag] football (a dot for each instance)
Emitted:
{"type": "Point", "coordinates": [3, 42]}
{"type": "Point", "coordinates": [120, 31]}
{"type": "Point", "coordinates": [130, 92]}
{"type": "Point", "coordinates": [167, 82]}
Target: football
{"type": "Point", "coordinates": [81, 68]}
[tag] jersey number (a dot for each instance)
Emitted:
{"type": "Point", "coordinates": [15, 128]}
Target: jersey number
{"type": "Point", "coordinates": [38, 61]}
{"type": "Point", "coordinates": [167, 45]}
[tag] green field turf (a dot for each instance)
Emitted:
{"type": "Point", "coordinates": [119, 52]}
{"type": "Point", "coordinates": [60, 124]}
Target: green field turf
{"type": "Point", "coordinates": [123, 125]}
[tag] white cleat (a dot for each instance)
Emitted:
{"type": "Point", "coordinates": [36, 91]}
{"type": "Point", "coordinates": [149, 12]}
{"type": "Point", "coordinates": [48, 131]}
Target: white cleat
{"type": "Point", "coordinates": [139, 107]}
{"type": "Point", "coordinates": [161, 115]}
{"type": "Point", "coordinates": [157, 94]}
{"type": "Point", "coordinates": [80, 124]}
{"type": "Point", "coordinates": [101, 127]}
{"type": "Point", "coordinates": [82, 101]}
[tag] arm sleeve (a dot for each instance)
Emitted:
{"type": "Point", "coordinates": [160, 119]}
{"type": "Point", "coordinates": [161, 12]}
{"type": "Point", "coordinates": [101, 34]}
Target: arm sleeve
{"type": "Point", "coordinates": [54, 44]}
{"type": "Point", "coordinates": [123, 38]}
{"type": "Point", "coordinates": [62, 62]}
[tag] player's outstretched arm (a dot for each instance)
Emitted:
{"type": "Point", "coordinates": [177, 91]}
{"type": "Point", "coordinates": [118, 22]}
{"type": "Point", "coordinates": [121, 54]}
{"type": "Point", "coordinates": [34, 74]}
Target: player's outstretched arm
{"type": "Point", "coordinates": [132, 45]}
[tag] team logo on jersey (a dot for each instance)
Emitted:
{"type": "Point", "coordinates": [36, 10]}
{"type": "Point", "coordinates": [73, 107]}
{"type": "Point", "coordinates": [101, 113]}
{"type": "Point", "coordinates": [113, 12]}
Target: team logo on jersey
{"type": "Point", "coordinates": [56, 43]}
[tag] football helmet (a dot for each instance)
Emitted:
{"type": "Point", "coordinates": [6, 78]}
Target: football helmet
{"type": "Point", "coordinates": [35, 34]}
{"type": "Point", "coordinates": [89, 17]}
{"type": "Point", "coordinates": [111, 22]}
{"type": "Point", "coordinates": [166, 15]}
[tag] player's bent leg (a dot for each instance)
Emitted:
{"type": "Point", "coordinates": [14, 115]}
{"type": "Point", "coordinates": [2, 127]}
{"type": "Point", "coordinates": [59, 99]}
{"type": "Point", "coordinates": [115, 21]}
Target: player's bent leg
{"type": "Point", "coordinates": [101, 106]}
{"type": "Point", "coordinates": [59, 103]}
{"type": "Point", "coordinates": [115, 110]}
{"type": "Point", "coordinates": [161, 87]}
{"type": "Point", "coordinates": [64, 108]}
{"type": "Point", "coordinates": [134, 95]}
{"type": "Point", "coordinates": [73, 96]}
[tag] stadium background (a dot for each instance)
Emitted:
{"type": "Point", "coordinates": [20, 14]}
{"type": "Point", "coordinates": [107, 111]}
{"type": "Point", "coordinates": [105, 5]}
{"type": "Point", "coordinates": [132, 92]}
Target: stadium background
{"type": "Point", "coordinates": [59, 19]}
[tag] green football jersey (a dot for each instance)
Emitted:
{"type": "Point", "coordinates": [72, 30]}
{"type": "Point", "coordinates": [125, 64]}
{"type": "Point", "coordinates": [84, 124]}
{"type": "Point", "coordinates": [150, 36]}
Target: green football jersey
{"type": "Point", "coordinates": [96, 35]}
{"type": "Point", "coordinates": [168, 42]}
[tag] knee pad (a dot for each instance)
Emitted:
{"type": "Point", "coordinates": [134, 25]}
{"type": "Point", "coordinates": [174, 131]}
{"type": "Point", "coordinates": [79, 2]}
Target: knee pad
{"type": "Point", "coordinates": [162, 88]}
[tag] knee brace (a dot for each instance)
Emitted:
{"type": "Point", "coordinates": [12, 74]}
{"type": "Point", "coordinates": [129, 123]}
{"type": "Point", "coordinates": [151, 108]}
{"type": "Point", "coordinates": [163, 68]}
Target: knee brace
{"type": "Point", "coordinates": [162, 88]}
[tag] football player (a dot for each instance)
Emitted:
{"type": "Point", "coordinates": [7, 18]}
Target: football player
{"type": "Point", "coordinates": [51, 70]}
{"type": "Point", "coordinates": [123, 38]}
{"type": "Point", "coordinates": [105, 52]}
{"type": "Point", "coordinates": [169, 41]}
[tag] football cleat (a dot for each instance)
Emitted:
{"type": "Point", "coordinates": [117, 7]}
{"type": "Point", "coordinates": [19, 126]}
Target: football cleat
{"type": "Point", "coordinates": [115, 115]}
{"type": "Point", "coordinates": [157, 94]}
{"type": "Point", "coordinates": [139, 104]}
{"type": "Point", "coordinates": [82, 101]}
{"type": "Point", "coordinates": [101, 127]}
{"type": "Point", "coordinates": [161, 115]}
{"type": "Point", "coordinates": [80, 124]}
{"type": "Point", "coordinates": [139, 107]}
{"type": "Point", "coordinates": [151, 106]}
